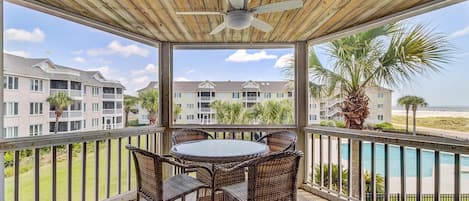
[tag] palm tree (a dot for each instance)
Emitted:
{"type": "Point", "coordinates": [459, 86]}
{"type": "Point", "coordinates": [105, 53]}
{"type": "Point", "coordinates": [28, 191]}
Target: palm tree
{"type": "Point", "coordinates": [405, 101]}
{"type": "Point", "coordinates": [273, 112]}
{"type": "Point", "coordinates": [415, 102]}
{"type": "Point", "coordinates": [389, 55]}
{"type": "Point", "coordinates": [230, 113]}
{"type": "Point", "coordinates": [60, 101]}
{"type": "Point", "coordinates": [149, 100]}
{"type": "Point", "coordinates": [177, 109]}
{"type": "Point", "coordinates": [129, 103]}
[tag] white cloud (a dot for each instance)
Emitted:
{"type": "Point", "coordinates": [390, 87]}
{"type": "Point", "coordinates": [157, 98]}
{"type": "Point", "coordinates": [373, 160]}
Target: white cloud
{"type": "Point", "coordinates": [140, 81]}
{"type": "Point", "coordinates": [115, 47]}
{"type": "Point", "coordinates": [17, 53]}
{"type": "Point", "coordinates": [190, 71]}
{"type": "Point", "coordinates": [148, 69]}
{"type": "Point", "coordinates": [105, 70]}
{"type": "Point", "coordinates": [181, 79]}
{"type": "Point", "coordinates": [79, 59]}
{"type": "Point", "coordinates": [23, 35]}
{"type": "Point", "coordinates": [460, 32]}
{"type": "Point", "coordinates": [77, 52]}
{"type": "Point", "coordinates": [243, 56]}
{"type": "Point", "coordinates": [284, 61]}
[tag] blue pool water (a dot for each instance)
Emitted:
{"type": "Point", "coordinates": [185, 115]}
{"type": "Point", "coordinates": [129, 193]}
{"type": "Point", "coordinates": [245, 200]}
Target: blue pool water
{"type": "Point", "coordinates": [428, 160]}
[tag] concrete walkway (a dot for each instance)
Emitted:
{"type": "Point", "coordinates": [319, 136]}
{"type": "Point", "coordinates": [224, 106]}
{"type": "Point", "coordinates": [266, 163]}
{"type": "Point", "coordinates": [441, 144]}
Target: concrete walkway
{"type": "Point", "coordinates": [458, 135]}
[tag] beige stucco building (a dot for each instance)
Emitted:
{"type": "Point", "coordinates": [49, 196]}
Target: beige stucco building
{"type": "Point", "coordinates": [194, 97]}
{"type": "Point", "coordinates": [97, 102]}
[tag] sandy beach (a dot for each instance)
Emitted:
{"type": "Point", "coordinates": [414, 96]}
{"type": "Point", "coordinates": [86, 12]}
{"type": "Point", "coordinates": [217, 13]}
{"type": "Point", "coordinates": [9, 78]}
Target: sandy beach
{"type": "Point", "coordinates": [428, 113]}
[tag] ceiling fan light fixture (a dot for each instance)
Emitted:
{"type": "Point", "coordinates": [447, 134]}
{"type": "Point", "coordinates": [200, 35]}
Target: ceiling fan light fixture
{"type": "Point", "coordinates": [238, 19]}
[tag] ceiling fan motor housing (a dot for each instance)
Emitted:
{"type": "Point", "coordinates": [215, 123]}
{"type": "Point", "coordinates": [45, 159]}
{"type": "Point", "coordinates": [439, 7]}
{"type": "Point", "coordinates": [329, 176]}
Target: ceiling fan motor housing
{"type": "Point", "coordinates": [238, 19]}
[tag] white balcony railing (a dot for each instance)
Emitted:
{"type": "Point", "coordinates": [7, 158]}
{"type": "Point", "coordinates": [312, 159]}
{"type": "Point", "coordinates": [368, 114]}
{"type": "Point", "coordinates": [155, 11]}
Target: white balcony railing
{"type": "Point", "coordinates": [64, 114]}
{"type": "Point", "coordinates": [76, 93]}
{"type": "Point", "coordinates": [75, 114]}
{"type": "Point", "coordinates": [205, 98]}
{"type": "Point", "coordinates": [109, 96]}
{"type": "Point", "coordinates": [250, 98]}
{"type": "Point", "coordinates": [54, 91]}
{"type": "Point", "coordinates": [205, 109]}
{"type": "Point", "coordinates": [109, 111]}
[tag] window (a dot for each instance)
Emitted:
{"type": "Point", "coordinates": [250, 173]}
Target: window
{"type": "Point", "coordinates": [59, 84]}
{"type": "Point", "coordinates": [177, 95]}
{"type": "Point", "coordinates": [380, 105]}
{"type": "Point", "coordinates": [75, 125]}
{"type": "Point", "coordinates": [35, 108]}
{"type": "Point", "coordinates": [190, 106]}
{"type": "Point", "coordinates": [381, 117]}
{"type": "Point", "coordinates": [76, 106]}
{"type": "Point", "coordinates": [75, 85]}
{"type": "Point", "coordinates": [119, 90]}
{"type": "Point", "coordinates": [95, 122]}
{"type": "Point", "coordinates": [84, 107]}
{"type": "Point", "coordinates": [290, 94]}
{"type": "Point", "coordinates": [10, 82]}
{"type": "Point", "coordinates": [36, 85]}
{"type": "Point", "coordinates": [118, 119]}
{"type": "Point", "coordinates": [108, 105]}
{"type": "Point", "coordinates": [10, 132]}
{"type": "Point", "coordinates": [62, 127]}
{"type": "Point", "coordinates": [108, 90]}
{"type": "Point", "coordinates": [119, 105]}
{"type": "Point", "coordinates": [84, 123]}
{"type": "Point", "coordinates": [84, 90]}
{"type": "Point", "coordinates": [35, 129]}
{"type": "Point", "coordinates": [279, 95]}
{"type": "Point", "coordinates": [235, 95]}
{"type": "Point", "coordinates": [95, 91]}
{"type": "Point", "coordinates": [267, 95]}
{"type": "Point", "coordinates": [380, 95]}
{"type": "Point", "coordinates": [10, 108]}
{"type": "Point", "coordinates": [95, 107]}
{"type": "Point", "coordinates": [312, 117]}
{"type": "Point", "coordinates": [190, 117]}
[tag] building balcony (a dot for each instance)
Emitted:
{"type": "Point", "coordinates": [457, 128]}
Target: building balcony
{"type": "Point", "coordinates": [67, 114]}
{"type": "Point", "coordinates": [205, 109]}
{"type": "Point", "coordinates": [250, 98]}
{"type": "Point", "coordinates": [73, 93]}
{"type": "Point", "coordinates": [112, 96]}
{"type": "Point", "coordinates": [205, 98]}
{"type": "Point", "coordinates": [112, 111]}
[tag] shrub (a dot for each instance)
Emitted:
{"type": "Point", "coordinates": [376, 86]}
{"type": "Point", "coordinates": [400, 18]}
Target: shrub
{"type": "Point", "coordinates": [384, 125]}
{"type": "Point", "coordinates": [331, 123]}
{"type": "Point", "coordinates": [339, 124]}
{"type": "Point", "coordinates": [323, 123]}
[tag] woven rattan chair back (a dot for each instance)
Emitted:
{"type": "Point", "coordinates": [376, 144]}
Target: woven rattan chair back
{"type": "Point", "coordinates": [149, 174]}
{"type": "Point", "coordinates": [280, 140]}
{"type": "Point", "coordinates": [187, 135]}
{"type": "Point", "coordinates": [274, 177]}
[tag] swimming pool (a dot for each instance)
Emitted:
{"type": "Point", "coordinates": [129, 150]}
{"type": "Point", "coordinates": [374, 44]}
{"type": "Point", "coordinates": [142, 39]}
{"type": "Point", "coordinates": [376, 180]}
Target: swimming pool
{"type": "Point", "coordinates": [428, 160]}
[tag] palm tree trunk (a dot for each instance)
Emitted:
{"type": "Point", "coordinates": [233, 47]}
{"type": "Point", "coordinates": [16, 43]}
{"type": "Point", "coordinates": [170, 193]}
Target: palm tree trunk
{"type": "Point", "coordinates": [355, 109]}
{"type": "Point", "coordinates": [407, 119]}
{"type": "Point", "coordinates": [126, 119]}
{"type": "Point", "coordinates": [414, 110]}
{"type": "Point", "coordinates": [56, 124]}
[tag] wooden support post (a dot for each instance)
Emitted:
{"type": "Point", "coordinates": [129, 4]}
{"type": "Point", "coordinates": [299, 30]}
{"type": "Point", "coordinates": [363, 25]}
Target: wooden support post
{"type": "Point", "coordinates": [165, 88]}
{"type": "Point", "coordinates": [301, 78]}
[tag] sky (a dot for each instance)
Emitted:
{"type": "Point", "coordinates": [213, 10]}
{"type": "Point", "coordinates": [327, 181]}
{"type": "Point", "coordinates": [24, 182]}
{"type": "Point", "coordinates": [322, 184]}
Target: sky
{"type": "Point", "coordinates": [135, 64]}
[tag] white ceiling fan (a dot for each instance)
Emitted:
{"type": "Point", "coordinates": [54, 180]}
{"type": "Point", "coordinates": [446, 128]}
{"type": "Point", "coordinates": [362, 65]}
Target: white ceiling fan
{"type": "Point", "coordinates": [240, 17]}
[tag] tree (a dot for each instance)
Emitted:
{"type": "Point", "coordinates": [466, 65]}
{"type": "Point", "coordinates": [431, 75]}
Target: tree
{"type": "Point", "coordinates": [129, 104]}
{"type": "Point", "coordinates": [60, 101]}
{"type": "Point", "coordinates": [177, 109]}
{"type": "Point", "coordinates": [149, 100]}
{"type": "Point", "coordinates": [272, 112]}
{"type": "Point", "coordinates": [389, 55]}
{"type": "Point", "coordinates": [230, 113]}
{"type": "Point", "coordinates": [415, 102]}
{"type": "Point", "coordinates": [405, 101]}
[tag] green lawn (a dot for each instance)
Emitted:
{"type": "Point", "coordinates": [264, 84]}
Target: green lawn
{"type": "Point", "coordinates": [26, 179]}
{"type": "Point", "coordinates": [446, 123]}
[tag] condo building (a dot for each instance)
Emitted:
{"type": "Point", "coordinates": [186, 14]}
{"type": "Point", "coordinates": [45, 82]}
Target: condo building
{"type": "Point", "coordinates": [28, 82]}
{"type": "Point", "coordinates": [195, 97]}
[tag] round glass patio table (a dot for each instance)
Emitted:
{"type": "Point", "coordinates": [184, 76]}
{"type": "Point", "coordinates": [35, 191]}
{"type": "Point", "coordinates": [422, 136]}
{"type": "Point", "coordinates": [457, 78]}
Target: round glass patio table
{"type": "Point", "coordinates": [219, 151]}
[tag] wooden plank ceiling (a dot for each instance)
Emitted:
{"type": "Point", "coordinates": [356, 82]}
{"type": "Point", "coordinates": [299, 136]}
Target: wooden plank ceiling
{"type": "Point", "coordinates": [156, 19]}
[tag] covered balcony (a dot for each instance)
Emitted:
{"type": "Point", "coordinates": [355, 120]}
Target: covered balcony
{"type": "Point", "coordinates": [338, 163]}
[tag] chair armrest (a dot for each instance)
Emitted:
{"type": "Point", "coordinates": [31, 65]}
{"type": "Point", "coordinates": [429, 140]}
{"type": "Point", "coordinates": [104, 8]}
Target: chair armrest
{"type": "Point", "coordinates": [173, 161]}
{"type": "Point", "coordinates": [236, 166]}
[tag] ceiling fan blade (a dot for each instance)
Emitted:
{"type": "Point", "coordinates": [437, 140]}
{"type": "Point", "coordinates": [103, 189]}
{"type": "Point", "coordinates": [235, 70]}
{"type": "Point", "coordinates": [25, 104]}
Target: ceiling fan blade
{"type": "Point", "coordinates": [280, 6]}
{"type": "Point", "coordinates": [200, 13]}
{"type": "Point", "coordinates": [237, 4]}
{"type": "Point", "coordinates": [261, 25]}
{"type": "Point", "coordinates": [218, 29]}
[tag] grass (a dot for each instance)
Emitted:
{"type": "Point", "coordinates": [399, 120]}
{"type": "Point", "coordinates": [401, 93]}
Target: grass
{"type": "Point", "coordinates": [446, 123]}
{"type": "Point", "coordinates": [26, 179]}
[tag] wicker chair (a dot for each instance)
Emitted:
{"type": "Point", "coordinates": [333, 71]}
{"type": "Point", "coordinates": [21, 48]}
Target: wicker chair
{"type": "Point", "coordinates": [270, 178]}
{"type": "Point", "coordinates": [221, 179]}
{"type": "Point", "coordinates": [280, 141]}
{"type": "Point", "coordinates": [150, 184]}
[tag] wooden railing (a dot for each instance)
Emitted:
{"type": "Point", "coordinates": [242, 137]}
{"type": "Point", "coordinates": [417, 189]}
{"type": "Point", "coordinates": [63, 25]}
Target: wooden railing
{"type": "Point", "coordinates": [342, 164]}
{"type": "Point", "coordinates": [46, 151]}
